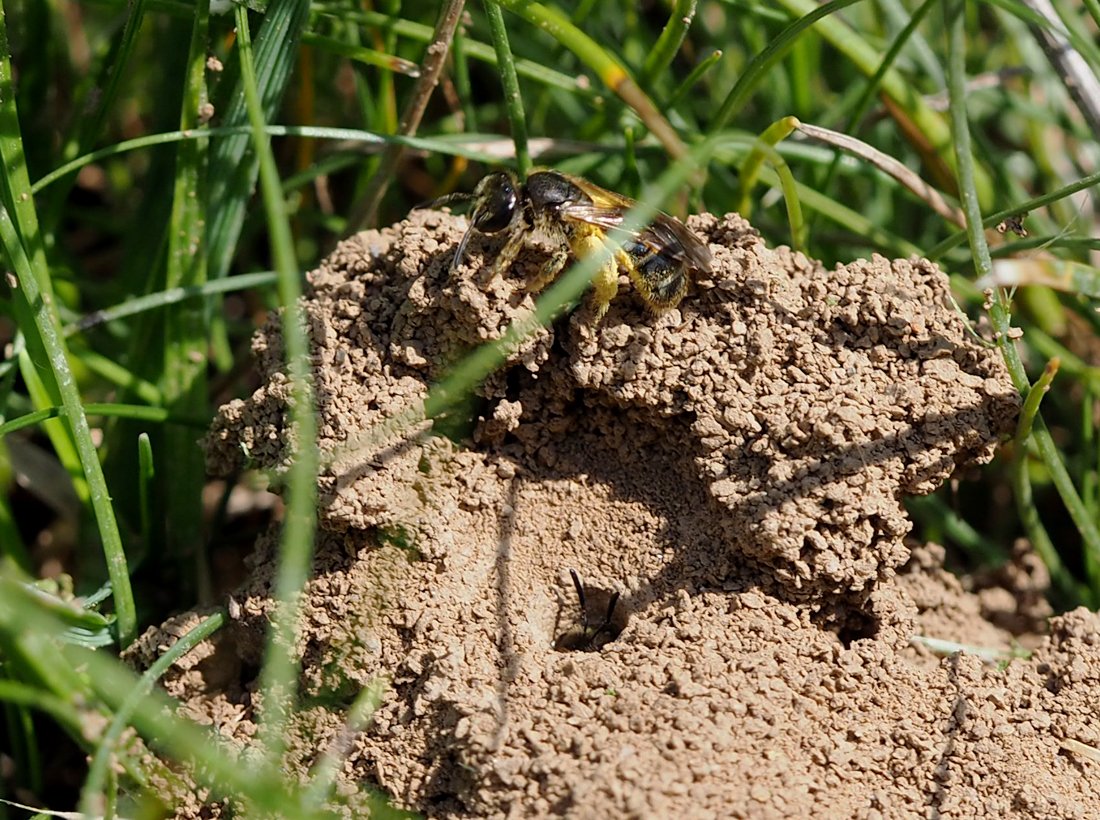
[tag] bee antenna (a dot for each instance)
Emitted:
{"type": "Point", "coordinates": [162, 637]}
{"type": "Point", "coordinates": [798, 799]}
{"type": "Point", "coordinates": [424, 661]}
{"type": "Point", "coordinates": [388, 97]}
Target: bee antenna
{"type": "Point", "coordinates": [448, 199]}
{"type": "Point", "coordinates": [461, 250]}
{"type": "Point", "coordinates": [614, 602]}
{"type": "Point", "coordinates": [577, 585]}
{"type": "Point", "coordinates": [606, 625]}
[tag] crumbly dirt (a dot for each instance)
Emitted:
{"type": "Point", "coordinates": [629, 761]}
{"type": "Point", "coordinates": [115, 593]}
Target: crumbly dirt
{"type": "Point", "coordinates": [734, 469]}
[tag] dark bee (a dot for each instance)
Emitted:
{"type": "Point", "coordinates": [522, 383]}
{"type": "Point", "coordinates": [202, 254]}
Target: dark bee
{"type": "Point", "coordinates": [599, 602]}
{"type": "Point", "coordinates": [574, 216]}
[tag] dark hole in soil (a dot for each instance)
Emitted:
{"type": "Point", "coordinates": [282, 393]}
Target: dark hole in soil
{"type": "Point", "coordinates": [603, 618]}
{"type": "Point", "coordinates": [849, 623]}
{"type": "Point", "coordinates": [857, 627]}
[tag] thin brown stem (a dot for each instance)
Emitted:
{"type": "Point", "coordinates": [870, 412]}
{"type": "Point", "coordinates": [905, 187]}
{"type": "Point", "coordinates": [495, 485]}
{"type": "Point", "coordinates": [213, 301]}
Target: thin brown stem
{"type": "Point", "coordinates": [365, 210]}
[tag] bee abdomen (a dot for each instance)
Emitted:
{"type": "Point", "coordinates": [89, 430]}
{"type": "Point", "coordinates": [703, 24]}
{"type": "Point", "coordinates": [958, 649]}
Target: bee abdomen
{"type": "Point", "coordinates": [658, 275]}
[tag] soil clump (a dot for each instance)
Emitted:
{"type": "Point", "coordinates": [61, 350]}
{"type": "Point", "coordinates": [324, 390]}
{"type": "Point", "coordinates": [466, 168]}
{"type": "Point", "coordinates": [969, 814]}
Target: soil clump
{"type": "Point", "coordinates": [734, 469]}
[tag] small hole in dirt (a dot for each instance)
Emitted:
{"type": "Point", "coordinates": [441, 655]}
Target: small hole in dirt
{"type": "Point", "coordinates": [849, 624]}
{"type": "Point", "coordinates": [603, 617]}
{"type": "Point", "coordinates": [249, 674]}
{"type": "Point", "coordinates": [857, 627]}
{"type": "Point", "coordinates": [457, 422]}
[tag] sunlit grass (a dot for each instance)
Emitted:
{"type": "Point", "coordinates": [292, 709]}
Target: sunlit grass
{"type": "Point", "coordinates": [140, 255]}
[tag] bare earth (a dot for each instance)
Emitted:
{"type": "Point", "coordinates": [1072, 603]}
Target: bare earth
{"type": "Point", "coordinates": [734, 468]}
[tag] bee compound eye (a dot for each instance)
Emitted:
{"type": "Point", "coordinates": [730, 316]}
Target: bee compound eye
{"type": "Point", "coordinates": [496, 203]}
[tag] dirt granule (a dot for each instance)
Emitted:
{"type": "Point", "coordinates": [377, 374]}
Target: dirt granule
{"type": "Point", "coordinates": [735, 469]}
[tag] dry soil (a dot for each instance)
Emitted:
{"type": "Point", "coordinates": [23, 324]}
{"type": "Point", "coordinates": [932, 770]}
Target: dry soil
{"type": "Point", "coordinates": [734, 469]}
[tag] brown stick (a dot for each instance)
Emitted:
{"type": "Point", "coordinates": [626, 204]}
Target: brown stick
{"type": "Point", "coordinates": [365, 211]}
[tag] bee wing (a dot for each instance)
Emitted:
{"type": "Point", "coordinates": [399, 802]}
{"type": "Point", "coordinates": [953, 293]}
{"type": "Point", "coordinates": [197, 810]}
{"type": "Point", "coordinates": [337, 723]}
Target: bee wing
{"type": "Point", "coordinates": [667, 233]}
{"type": "Point", "coordinates": [664, 235]}
{"type": "Point", "coordinates": [590, 213]}
{"type": "Point", "coordinates": [599, 197]}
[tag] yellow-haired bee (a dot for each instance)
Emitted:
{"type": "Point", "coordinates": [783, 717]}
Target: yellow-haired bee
{"type": "Point", "coordinates": [574, 216]}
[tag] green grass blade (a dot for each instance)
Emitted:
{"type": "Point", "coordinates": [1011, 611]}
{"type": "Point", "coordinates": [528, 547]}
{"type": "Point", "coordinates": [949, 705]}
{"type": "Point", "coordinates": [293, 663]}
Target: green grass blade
{"type": "Point", "coordinates": [513, 102]}
{"type": "Point", "coordinates": [607, 68]}
{"type": "Point", "coordinates": [185, 328]}
{"type": "Point", "coordinates": [264, 790]}
{"type": "Point", "coordinates": [117, 374]}
{"type": "Point", "coordinates": [1070, 363]}
{"type": "Point", "coordinates": [463, 85]}
{"type": "Point", "coordinates": [362, 54]}
{"type": "Point", "coordinates": [1021, 484]}
{"type": "Point", "coordinates": [925, 60]}
{"type": "Point", "coordinates": [764, 150]}
{"type": "Point", "coordinates": [73, 684]}
{"type": "Point", "coordinates": [999, 311]}
{"type": "Point", "coordinates": [672, 37]}
{"type": "Point", "coordinates": [36, 303]}
{"type": "Point", "coordinates": [91, 795]}
{"type": "Point", "coordinates": [101, 97]}
{"type": "Point", "coordinates": [41, 385]}
{"type": "Point", "coordinates": [136, 412]}
{"type": "Point", "coordinates": [855, 48]}
{"type": "Point", "coordinates": [1093, 7]}
{"type": "Point", "coordinates": [146, 476]}
{"type": "Point", "coordinates": [777, 48]}
{"type": "Point", "coordinates": [476, 50]}
{"type": "Point", "coordinates": [874, 82]}
{"type": "Point", "coordinates": [16, 178]}
{"type": "Point", "coordinates": [1041, 201]}
{"type": "Point", "coordinates": [857, 223]}
{"type": "Point", "coordinates": [370, 140]}
{"type": "Point", "coordinates": [34, 655]}
{"type": "Point", "coordinates": [91, 127]}
{"type": "Point", "coordinates": [693, 78]}
{"type": "Point", "coordinates": [233, 166]}
{"type": "Point", "coordinates": [172, 296]}
{"type": "Point", "coordinates": [941, 521]}
{"type": "Point", "coordinates": [279, 675]}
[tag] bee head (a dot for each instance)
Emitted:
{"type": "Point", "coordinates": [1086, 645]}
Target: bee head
{"type": "Point", "coordinates": [496, 198]}
{"type": "Point", "coordinates": [496, 203]}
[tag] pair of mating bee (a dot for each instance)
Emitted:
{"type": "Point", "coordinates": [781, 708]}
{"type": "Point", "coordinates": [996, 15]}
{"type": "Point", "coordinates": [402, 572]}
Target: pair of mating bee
{"type": "Point", "coordinates": [575, 216]}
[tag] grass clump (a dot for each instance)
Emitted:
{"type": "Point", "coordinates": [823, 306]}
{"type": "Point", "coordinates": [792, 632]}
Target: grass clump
{"type": "Point", "coordinates": [138, 136]}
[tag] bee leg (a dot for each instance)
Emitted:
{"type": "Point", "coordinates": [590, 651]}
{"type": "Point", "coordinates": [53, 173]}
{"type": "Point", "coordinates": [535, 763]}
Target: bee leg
{"type": "Point", "coordinates": [550, 270]}
{"type": "Point", "coordinates": [505, 256]}
{"type": "Point", "coordinates": [605, 282]}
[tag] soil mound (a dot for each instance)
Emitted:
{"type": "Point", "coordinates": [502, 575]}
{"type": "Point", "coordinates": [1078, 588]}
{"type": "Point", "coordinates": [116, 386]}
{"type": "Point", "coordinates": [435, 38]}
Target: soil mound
{"type": "Point", "coordinates": [733, 469]}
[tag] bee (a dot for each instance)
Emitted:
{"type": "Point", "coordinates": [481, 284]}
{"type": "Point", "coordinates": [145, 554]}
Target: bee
{"type": "Point", "coordinates": [594, 602]}
{"type": "Point", "coordinates": [574, 216]}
